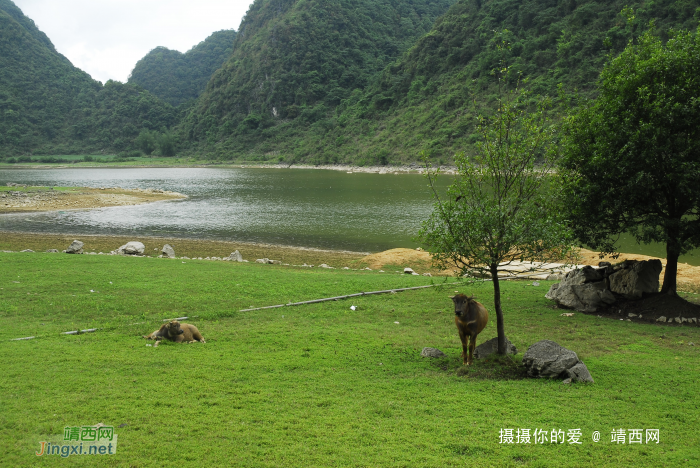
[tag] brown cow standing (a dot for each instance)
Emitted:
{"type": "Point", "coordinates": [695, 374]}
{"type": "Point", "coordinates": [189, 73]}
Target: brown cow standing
{"type": "Point", "coordinates": [470, 317]}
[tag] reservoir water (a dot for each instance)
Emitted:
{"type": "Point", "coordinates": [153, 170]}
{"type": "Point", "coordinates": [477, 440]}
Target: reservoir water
{"type": "Point", "coordinates": [298, 207]}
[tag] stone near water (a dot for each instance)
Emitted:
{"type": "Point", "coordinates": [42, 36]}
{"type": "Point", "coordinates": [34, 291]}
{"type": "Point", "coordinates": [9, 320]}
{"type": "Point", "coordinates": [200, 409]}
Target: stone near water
{"type": "Point", "coordinates": [76, 247]}
{"type": "Point", "coordinates": [432, 352]}
{"type": "Point", "coordinates": [547, 359]}
{"type": "Point", "coordinates": [131, 248]}
{"type": "Point", "coordinates": [167, 251]}
{"type": "Point", "coordinates": [491, 346]}
{"type": "Point", "coordinates": [235, 257]}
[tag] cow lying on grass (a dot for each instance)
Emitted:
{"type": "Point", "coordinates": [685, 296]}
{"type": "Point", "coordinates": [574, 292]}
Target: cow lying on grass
{"type": "Point", "coordinates": [177, 332]}
{"type": "Point", "coordinates": [470, 317]}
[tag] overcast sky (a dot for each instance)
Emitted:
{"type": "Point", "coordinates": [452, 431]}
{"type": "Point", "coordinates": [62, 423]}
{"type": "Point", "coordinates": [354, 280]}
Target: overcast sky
{"type": "Point", "coordinates": [107, 37]}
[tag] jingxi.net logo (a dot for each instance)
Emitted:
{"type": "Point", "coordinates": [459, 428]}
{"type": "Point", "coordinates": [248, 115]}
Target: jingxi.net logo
{"type": "Point", "coordinates": [81, 440]}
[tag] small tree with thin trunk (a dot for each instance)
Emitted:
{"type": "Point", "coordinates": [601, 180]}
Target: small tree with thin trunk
{"type": "Point", "coordinates": [502, 206]}
{"type": "Point", "coordinates": [631, 158]}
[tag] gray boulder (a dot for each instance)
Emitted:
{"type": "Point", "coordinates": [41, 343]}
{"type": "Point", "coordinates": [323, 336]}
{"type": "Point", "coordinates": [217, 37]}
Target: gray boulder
{"type": "Point", "coordinates": [131, 248]}
{"type": "Point", "coordinates": [547, 359]}
{"type": "Point", "coordinates": [27, 250]}
{"type": "Point", "coordinates": [167, 251]}
{"type": "Point", "coordinates": [52, 251]}
{"type": "Point", "coordinates": [576, 291]}
{"type": "Point", "coordinates": [76, 247]}
{"type": "Point", "coordinates": [235, 257]}
{"type": "Point", "coordinates": [432, 352]}
{"type": "Point", "coordinates": [579, 373]}
{"type": "Point", "coordinates": [491, 346]}
{"type": "Point", "coordinates": [636, 278]}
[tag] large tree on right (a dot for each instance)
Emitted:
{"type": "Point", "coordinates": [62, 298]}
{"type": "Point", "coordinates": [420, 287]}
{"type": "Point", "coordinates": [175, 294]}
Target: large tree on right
{"type": "Point", "coordinates": [631, 157]}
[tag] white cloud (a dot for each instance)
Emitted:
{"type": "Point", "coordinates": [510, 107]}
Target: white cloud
{"type": "Point", "coordinates": [106, 38]}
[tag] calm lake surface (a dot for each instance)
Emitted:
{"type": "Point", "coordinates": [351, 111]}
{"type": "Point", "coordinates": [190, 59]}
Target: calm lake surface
{"type": "Point", "coordinates": [299, 207]}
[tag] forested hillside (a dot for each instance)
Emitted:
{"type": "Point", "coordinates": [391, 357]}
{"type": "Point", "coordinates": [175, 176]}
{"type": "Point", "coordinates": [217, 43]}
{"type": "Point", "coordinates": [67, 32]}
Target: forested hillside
{"type": "Point", "coordinates": [300, 110]}
{"type": "Point", "coordinates": [318, 81]}
{"type": "Point", "coordinates": [48, 106]}
{"type": "Point", "coordinates": [178, 78]}
{"type": "Point", "coordinates": [293, 62]}
{"type": "Point", "coordinates": [425, 101]}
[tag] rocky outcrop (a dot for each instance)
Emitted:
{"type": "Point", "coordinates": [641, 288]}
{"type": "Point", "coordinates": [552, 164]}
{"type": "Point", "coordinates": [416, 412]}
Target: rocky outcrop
{"type": "Point", "coordinates": [547, 359]}
{"type": "Point", "coordinates": [76, 247]}
{"type": "Point", "coordinates": [167, 251]}
{"type": "Point", "coordinates": [636, 278]}
{"type": "Point", "coordinates": [586, 289]}
{"type": "Point", "coordinates": [131, 248]}
{"type": "Point", "coordinates": [491, 346]}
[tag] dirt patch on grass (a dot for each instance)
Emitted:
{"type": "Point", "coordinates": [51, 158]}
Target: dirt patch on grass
{"type": "Point", "coordinates": [33, 199]}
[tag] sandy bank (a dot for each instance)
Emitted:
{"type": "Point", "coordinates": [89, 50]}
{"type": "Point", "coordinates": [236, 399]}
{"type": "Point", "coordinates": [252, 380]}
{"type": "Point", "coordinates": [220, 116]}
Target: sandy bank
{"type": "Point", "coordinates": [688, 276]}
{"type": "Point", "coordinates": [21, 199]}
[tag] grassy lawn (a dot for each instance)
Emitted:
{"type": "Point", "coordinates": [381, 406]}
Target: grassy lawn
{"type": "Point", "coordinates": [318, 385]}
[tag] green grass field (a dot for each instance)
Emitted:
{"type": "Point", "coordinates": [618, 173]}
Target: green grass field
{"type": "Point", "coordinates": [318, 385]}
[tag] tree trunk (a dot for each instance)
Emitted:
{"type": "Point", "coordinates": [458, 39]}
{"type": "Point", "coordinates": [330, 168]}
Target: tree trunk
{"type": "Point", "coordinates": [673, 251]}
{"type": "Point", "coordinates": [499, 311]}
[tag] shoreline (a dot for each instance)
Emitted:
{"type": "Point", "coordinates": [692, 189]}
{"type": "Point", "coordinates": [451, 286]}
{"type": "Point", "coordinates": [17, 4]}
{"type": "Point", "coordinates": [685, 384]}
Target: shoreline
{"type": "Point", "coordinates": [392, 260]}
{"type": "Point", "coordinates": [401, 169]}
{"type": "Point", "coordinates": [13, 241]}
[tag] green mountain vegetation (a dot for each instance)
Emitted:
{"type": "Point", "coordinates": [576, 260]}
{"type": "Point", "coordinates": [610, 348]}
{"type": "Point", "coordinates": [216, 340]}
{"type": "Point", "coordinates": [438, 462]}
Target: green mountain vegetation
{"type": "Point", "coordinates": [178, 78]}
{"type": "Point", "coordinates": [424, 101]}
{"type": "Point", "coordinates": [318, 81]}
{"type": "Point", "coordinates": [48, 106]}
{"type": "Point", "coordinates": [294, 62]}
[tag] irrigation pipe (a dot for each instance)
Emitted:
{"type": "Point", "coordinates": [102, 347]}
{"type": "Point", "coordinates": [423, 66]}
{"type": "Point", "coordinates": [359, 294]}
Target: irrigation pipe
{"type": "Point", "coordinates": [386, 291]}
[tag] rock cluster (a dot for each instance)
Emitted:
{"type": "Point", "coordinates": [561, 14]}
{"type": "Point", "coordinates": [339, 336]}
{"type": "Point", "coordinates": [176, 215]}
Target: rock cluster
{"type": "Point", "coordinates": [547, 359]}
{"type": "Point", "coordinates": [588, 288]}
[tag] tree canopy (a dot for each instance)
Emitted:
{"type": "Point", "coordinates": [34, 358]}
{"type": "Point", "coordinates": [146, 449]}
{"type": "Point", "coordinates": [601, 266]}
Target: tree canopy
{"type": "Point", "coordinates": [632, 156]}
{"type": "Point", "coordinates": [501, 207]}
